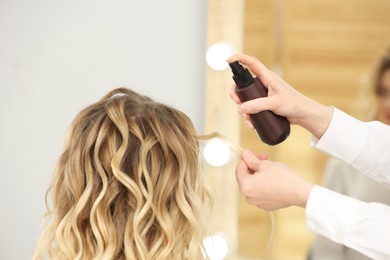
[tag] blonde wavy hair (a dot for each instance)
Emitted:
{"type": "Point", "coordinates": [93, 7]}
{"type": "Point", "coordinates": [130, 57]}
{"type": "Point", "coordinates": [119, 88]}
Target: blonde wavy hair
{"type": "Point", "coordinates": [128, 185]}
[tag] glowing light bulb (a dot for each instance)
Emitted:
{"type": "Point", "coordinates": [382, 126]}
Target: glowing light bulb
{"type": "Point", "coordinates": [217, 54]}
{"type": "Point", "coordinates": [216, 152]}
{"type": "Point", "coordinates": [216, 247]}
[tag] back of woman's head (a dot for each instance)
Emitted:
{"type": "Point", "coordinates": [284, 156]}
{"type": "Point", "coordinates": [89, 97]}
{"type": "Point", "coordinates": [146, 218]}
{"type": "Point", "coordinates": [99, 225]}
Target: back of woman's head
{"type": "Point", "coordinates": [128, 184]}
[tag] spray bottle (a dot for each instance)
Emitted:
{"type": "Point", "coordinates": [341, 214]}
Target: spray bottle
{"type": "Point", "coordinates": [271, 128]}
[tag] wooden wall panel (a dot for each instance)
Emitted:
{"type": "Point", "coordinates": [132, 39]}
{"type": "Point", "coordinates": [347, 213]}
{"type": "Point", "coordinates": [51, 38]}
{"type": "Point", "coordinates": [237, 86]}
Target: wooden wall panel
{"type": "Point", "coordinates": [330, 44]}
{"type": "Point", "coordinates": [224, 25]}
{"type": "Point", "coordinates": [258, 34]}
{"type": "Point", "coordinates": [259, 30]}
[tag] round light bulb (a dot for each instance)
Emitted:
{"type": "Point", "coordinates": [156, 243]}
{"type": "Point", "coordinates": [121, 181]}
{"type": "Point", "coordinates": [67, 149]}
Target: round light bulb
{"type": "Point", "coordinates": [216, 247]}
{"type": "Point", "coordinates": [216, 152]}
{"type": "Point", "coordinates": [217, 54]}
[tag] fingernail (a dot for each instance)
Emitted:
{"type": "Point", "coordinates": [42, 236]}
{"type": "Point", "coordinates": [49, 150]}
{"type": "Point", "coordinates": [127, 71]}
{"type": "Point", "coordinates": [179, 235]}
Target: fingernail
{"type": "Point", "coordinates": [239, 111]}
{"type": "Point", "coordinates": [242, 108]}
{"type": "Point", "coordinates": [246, 154]}
{"type": "Point", "coordinates": [249, 125]}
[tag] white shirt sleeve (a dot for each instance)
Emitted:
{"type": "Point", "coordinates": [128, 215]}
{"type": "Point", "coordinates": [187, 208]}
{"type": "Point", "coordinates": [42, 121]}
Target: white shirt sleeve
{"type": "Point", "coordinates": [366, 146]}
{"type": "Point", "coordinates": [362, 226]}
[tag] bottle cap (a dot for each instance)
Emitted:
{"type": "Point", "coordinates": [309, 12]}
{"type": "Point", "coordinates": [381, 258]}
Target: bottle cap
{"type": "Point", "coordinates": [241, 75]}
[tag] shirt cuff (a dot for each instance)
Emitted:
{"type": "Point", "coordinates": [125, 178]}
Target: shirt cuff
{"type": "Point", "coordinates": [344, 137]}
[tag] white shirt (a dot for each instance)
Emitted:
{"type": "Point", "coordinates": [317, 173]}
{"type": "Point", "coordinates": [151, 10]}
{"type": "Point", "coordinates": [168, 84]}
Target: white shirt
{"type": "Point", "coordinates": [343, 178]}
{"type": "Point", "coordinates": [362, 226]}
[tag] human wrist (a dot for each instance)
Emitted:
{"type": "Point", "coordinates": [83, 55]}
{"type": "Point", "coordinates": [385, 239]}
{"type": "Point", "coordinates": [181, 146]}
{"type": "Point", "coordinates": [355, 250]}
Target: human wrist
{"type": "Point", "coordinates": [315, 118]}
{"type": "Point", "coordinates": [303, 193]}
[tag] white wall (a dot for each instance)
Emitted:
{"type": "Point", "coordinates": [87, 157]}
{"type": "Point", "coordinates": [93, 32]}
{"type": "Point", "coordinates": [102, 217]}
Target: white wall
{"type": "Point", "coordinates": [57, 57]}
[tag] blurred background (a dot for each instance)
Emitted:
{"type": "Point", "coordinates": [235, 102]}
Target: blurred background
{"type": "Point", "coordinates": [58, 56]}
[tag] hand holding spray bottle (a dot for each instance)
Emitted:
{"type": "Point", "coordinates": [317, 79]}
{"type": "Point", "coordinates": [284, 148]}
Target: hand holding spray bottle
{"type": "Point", "coordinates": [271, 128]}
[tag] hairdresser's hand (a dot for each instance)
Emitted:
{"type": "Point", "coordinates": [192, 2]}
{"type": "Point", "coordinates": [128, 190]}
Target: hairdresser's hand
{"type": "Point", "coordinates": [282, 99]}
{"type": "Point", "coordinates": [270, 185]}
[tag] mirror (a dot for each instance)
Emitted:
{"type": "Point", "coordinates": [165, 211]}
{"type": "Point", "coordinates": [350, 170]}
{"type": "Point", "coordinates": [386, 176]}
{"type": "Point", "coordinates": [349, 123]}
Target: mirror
{"type": "Point", "coordinates": [324, 48]}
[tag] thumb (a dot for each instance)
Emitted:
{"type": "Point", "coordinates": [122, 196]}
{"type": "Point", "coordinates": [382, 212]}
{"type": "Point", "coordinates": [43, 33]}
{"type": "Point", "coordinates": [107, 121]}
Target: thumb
{"type": "Point", "coordinates": [251, 160]}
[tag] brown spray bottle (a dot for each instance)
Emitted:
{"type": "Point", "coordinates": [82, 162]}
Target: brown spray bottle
{"type": "Point", "coordinates": [271, 128]}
